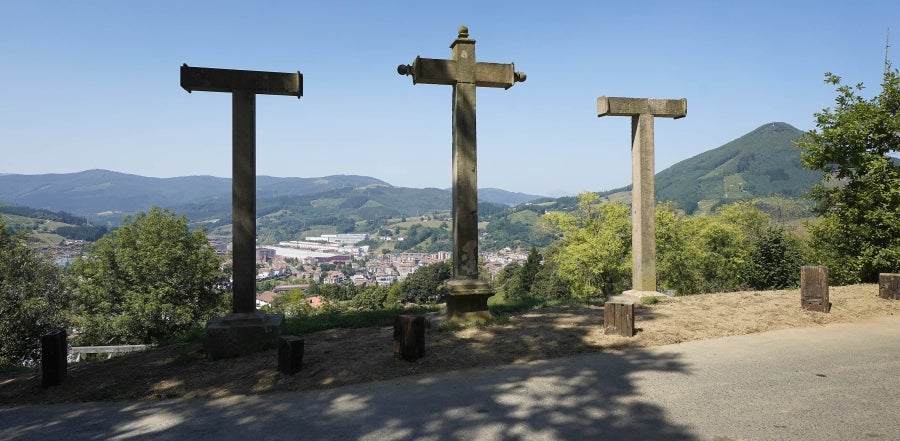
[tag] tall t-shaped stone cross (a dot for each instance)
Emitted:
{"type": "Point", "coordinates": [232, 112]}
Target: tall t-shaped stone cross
{"type": "Point", "coordinates": [643, 202]}
{"type": "Point", "coordinates": [246, 329]}
{"type": "Point", "coordinates": [467, 296]}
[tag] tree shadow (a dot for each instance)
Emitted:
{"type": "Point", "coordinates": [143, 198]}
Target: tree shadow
{"type": "Point", "coordinates": [583, 397]}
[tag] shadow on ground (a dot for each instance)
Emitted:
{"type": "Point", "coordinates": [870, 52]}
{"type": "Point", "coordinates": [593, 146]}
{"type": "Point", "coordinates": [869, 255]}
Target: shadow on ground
{"type": "Point", "coordinates": [583, 397]}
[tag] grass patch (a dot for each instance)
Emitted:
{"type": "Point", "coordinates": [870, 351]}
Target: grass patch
{"type": "Point", "coordinates": [350, 319]}
{"type": "Point", "coordinates": [186, 357]}
{"type": "Point", "coordinates": [15, 370]}
{"type": "Point", "coordinates": [651, 300]}
{"type": "Point", "coordinates": [507, 307]}
{"type": "Point", "coordinates": [193, 336]}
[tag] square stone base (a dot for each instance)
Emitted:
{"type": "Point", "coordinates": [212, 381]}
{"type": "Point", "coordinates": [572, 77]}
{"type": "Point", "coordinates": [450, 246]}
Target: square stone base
{"type": "Point", "coordinates": [467, 300]}
{"type": "Point", "coordinates": [239, 334]}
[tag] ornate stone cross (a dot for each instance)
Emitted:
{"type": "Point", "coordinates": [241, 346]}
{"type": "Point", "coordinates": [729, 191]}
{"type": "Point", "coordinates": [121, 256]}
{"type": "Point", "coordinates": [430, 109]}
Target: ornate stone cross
{"type": "Point", "coordinates": [246, 329]}
{"type": "Point", "coordinates": [643, 202]}
{"type": "Point", "coordinates": [467, 295]}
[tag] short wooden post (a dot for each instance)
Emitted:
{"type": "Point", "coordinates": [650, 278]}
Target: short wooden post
{"type": "Point", "coordinates": [814, 288]}
{"type": "Point", "coordinates": [409, 337]}
{"type": "Point", "coordinates": [889, 286]}
{"type": "Point", "coordinates": [54, 350]}
{"type": "Point", "coordinates": [618, 318]}
{"type": "Point", "coordinates": [290, 354]}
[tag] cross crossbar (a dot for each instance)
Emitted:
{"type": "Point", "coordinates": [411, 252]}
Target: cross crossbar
{"type": "Point", "coordinates": [438, 71]}
{"type": "Point", "coordinates": [208, 79]}
{"type": "Point", "coordinates": [616, 106]}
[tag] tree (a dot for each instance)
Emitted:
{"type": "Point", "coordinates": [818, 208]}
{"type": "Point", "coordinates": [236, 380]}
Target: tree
{"type": "Point", "coordinates": [595, 249]}
{"type": "Point", "coordinates": [516, 280]}
{"type": "Point", "coordinates": [707, 253]}
{"type": "Point", "coordinates": [774, 261]}
{"type": "Point", "coordinates": [423, 285]}
{"type": "Point", "coordinates": [149, 279]}
{"type": "Point", "coordinates": [508, 281]}
{"type": "Point", "coordinates": [33, 300]}
{"type": "Point", "coordinates": [858, 235]}
{"type": "Point", "coordinates": [292, 303]}
{"type": "Point", "coordinates": [370, 298]}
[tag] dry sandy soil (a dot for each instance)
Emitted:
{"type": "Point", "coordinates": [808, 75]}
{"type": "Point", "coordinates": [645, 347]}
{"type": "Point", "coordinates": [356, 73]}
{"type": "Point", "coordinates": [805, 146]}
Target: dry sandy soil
{"type": "Point", "coordinates": [346, 356]}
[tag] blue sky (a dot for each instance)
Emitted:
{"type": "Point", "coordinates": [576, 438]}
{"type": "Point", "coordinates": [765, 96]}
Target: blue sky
{"type": "Point", "coordinates": [95, 84]}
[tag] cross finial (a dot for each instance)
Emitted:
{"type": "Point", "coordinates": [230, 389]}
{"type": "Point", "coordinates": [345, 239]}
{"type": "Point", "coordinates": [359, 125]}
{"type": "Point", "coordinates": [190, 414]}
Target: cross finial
{"type": "Point", "coordinates": [463, 32]}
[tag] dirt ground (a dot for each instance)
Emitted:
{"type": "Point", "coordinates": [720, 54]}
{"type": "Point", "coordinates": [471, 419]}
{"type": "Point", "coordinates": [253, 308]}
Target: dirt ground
{"type": "Point", "coordinates": [346, 356]}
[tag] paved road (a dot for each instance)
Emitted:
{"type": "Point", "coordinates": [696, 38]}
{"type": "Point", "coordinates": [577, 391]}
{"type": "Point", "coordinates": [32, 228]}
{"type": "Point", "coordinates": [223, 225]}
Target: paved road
{"type": "Point", "coordinates": [838, 382]}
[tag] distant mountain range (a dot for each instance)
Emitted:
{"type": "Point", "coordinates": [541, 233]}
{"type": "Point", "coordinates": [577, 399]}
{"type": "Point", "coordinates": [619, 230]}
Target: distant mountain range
{"type": "Point", "coordinates": [93, 192]}
{"type": "Point", "coordinates": [761, 163]}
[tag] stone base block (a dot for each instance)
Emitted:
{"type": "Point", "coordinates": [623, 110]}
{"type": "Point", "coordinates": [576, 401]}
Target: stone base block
{"type": "Point", "coordinates": [54, 350]}
{"type": "Point", "coordinates": [889, 286]}
{"type": "Point", "coordinates": [290, 354]}
{"type": "Point", "coordinates": [467, 300]}
{"type": "Point", "coordinates": [242, 333]}
{"type": "Point", "coordinates": [409, 337]}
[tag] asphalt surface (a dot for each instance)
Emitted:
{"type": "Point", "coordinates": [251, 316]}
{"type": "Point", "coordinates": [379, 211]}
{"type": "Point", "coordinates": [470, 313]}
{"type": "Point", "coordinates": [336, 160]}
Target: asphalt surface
{"type": "Point", "coordinates": [836, 382]}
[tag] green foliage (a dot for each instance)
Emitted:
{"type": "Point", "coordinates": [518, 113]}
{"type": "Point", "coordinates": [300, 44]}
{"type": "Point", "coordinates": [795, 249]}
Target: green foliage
{"type": "Point", "coordinates": [594, 252]}
{"type": "Point", "coordinates": [426, 239]}
{"type": "Point", "coordinates": [858, 236]}
{"type": "Point", "coordinates": [292, 303]}
{"type": "Point", "coordinates": [650, 300]}
{"type": "Point", "coordinates": [370, 298]}
{"type": "Point", "coordinates": [89, 233]}
{"type": "Point", "coordinates": [33, 300]}
{"type": "Point", "coordinates": [676, 252]}
{"type": "Point", "coordinates": [774, 261]}
{"type": "Point", "coordinates": [548, 284]}
{"type": "Point", "coordinates": [515, 281]}
{"type": "Point", "coordinates": [149, 279]}
{"type": "Point", "coordinates": [423, 285]}
{"type": "Point", "coordinates": [518, 227]}
{"type": "Point", "coordinates": [706, 253]}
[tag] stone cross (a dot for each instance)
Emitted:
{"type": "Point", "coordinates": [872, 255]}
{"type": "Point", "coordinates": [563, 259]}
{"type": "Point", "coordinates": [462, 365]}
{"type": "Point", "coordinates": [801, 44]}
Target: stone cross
{"type": "Point", "coordinates": [244, 86]}
{"type": "Point", "coordinates": [643, 202]}
{"type": "Point", "coordinates": [467, 294]}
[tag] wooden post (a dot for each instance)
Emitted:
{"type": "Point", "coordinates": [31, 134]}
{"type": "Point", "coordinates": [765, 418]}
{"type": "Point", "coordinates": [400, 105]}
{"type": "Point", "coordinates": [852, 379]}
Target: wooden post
{"type": "Point", "coordinates": [889, 286]}
{"type": "Point", "coordinates": [618, 318]}
{"type": "Point", "coordinates": [290, 354]}
{"type": "Point", "coordinates": [409, 337]}
{"type": "Point", "coordinates": [814, 288]}
{"type": "Point", "coordinates": [54, 349]}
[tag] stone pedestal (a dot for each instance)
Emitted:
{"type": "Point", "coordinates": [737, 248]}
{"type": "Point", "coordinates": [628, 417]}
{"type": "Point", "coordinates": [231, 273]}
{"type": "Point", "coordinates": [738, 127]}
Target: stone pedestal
{"type": "Point", "coordinates": [238, 334]}
{"type": "Point", "coordinates": [467, 300]}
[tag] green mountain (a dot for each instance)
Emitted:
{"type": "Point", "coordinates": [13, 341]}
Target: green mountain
{"type": "Point", "coordinates": [762, 163]}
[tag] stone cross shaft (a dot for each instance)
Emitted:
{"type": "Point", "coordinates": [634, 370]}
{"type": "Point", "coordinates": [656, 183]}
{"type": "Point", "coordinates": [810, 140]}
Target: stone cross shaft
{"type": "Point", "coordinates": [643, 202]}
{"type": "Point", "coordinates": [244, 86]}
{"type": "Point", "coordinates": [465, 75]}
